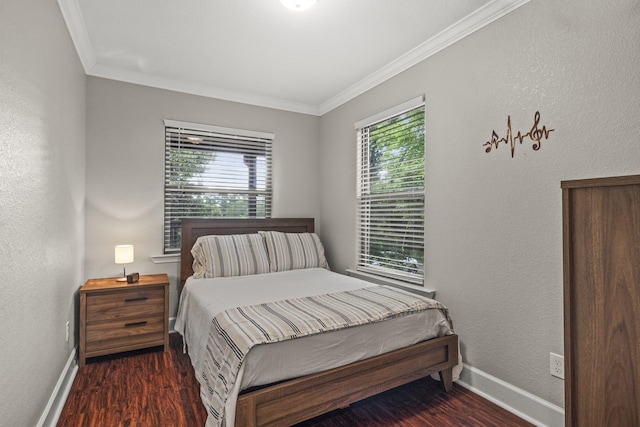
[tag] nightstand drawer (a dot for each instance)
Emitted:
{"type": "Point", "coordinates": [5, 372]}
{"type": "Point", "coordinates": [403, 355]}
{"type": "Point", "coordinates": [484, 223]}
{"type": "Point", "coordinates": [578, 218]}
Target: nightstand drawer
{"type": "Point", "coordinates": [116, 317]}
{"type": "Point", "coordinates": [126, 332]}
{"type": "Point", "coordinates": [124, 304]}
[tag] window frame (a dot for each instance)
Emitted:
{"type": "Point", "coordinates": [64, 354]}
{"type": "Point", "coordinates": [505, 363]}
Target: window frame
{"type": "Point", "coordinates": [256, 150]}
{"type": "Point", "coordinates": [364, 197]}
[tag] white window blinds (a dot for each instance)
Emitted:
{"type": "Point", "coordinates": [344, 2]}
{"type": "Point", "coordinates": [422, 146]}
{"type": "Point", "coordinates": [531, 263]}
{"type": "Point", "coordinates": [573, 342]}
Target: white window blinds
{"type": "Point", "coordinates": [214, 172]}
{"type": "Point", "coordinates": [390, 192]}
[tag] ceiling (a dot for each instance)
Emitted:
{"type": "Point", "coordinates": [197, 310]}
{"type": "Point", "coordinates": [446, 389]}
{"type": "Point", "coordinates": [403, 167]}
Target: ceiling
{"type": "Point", "coordinates": [261, 53]}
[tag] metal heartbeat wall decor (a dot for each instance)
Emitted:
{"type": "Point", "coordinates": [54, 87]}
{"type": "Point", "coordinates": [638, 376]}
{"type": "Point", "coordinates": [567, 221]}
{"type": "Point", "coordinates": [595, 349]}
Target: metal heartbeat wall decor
{"type": "Point", "coordinates": [535, 134]}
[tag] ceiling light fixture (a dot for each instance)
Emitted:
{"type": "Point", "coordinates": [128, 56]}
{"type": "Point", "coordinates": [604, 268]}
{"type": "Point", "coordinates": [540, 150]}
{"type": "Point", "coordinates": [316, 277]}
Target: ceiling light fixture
{"type": "Point", "coordinates": [298, 5]}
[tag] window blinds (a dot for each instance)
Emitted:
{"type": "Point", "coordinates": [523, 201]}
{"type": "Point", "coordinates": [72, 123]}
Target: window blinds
{"type": "Point", "coordinates": [390, 192]}
{"type": "Point", "coordinates": [214, 172]}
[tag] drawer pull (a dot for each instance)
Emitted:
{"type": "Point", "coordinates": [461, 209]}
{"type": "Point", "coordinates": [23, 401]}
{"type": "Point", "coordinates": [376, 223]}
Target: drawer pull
{"type": "Point", "coordinates": [135, 299]}
{"type": "Point", "coordinates": [131, 325]}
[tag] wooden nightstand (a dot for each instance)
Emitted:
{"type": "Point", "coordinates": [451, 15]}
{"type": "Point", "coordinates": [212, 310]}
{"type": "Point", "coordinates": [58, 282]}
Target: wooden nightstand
{"type": "Point", "coordinates": [118, 316]}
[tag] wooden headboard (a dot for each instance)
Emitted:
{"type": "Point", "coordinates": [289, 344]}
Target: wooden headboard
{"type": "Point", "coordinates": [194, 228]}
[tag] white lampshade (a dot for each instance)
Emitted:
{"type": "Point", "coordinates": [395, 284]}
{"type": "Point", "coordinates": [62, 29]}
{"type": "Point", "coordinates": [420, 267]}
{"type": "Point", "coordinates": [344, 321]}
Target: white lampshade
{"type": "Point", "coordinates": [124, 254]}
{"type": "Point", "coordinates": [298, 4]}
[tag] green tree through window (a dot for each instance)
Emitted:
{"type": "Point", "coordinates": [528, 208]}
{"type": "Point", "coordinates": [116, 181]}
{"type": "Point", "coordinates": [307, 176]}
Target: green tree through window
{"type": "Point", "coordinates": [214, 172]}
{"type": "Point", "coordinates": [391, 196]}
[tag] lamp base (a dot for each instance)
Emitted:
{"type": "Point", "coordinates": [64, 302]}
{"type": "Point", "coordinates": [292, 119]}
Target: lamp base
{"type": "Point", "coordinates": [121, 279]}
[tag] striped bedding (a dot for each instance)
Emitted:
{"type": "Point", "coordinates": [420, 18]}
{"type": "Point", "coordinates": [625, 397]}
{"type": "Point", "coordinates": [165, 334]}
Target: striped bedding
{"type": "Point", "coordinates": [235, 331]}
{"type": "Point", "coordinates": [229, 256]}
{"type": "Point", "coordinates": [291, 251]}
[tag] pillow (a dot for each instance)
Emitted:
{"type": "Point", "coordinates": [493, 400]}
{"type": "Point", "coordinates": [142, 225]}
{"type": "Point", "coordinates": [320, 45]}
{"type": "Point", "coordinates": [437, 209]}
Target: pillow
{"type": "Point", "coordinates": [229, 255]}
{"type": "Point", "coordinates": [292, 251]}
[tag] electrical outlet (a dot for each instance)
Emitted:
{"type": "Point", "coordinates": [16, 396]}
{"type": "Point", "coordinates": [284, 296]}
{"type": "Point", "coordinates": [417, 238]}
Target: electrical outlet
{"type": "Point", "coordinates": [67, 331]}
{"type": "Point", "coordinates": [557, 365]}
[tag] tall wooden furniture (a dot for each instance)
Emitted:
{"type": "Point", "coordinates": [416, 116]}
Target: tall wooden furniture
{"type": "Point", "coordinates": [601, 233]}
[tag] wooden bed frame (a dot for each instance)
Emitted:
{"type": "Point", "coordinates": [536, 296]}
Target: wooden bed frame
{"type": "Point", "coordinates": [299, 399]}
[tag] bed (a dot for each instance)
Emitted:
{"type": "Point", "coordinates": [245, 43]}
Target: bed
{"type": "Point", "coordinates": [287, 382]}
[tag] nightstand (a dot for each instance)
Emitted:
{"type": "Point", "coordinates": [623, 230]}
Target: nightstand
{"type": "Point", "coordinates": [120, 316]}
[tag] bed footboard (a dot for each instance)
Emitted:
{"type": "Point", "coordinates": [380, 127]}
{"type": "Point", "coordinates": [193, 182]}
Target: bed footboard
{"type": "Point", "coordinates": [303, 398]}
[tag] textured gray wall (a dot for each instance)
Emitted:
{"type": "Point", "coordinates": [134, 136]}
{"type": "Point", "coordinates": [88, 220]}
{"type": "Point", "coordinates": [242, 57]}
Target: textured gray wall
{"type": "Point", "coordinates": [493, 223]}
{"type": "Point", "coordinates": [125, 167]}
{"type": "Point", "coordinates": [42, 188]}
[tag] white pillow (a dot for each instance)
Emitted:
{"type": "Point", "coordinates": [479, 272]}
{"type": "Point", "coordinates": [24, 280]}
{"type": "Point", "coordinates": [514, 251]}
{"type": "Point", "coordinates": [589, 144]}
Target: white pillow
{"type": "Point", "coordinates": [292, 251]}
{"type": "Point", "coordinates": [229, 255]}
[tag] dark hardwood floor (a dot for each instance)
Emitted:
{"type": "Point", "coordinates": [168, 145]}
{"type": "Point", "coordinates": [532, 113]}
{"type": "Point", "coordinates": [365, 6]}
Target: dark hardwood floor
{"type": "Point", "coordinates": [155, 388]}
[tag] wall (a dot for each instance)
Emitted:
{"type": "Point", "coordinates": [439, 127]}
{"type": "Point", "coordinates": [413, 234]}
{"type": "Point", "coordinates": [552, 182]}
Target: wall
{"type": "Point", "coordinates": [42, 188]}
{"type": "Point", "coordinates": [493, 223]}
{"type": "Point", "coordinates": [125, 167]}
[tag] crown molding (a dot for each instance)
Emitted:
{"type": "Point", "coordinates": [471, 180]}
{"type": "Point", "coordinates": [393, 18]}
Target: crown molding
{"type": "Point", "coordinates": [177, 85]}
{"type": "Point", "coordinates": [75, 25]}
{"type": "Point", "coordinates": [464, 27]}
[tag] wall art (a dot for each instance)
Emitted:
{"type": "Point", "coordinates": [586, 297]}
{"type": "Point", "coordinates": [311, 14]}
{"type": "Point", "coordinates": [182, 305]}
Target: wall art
{"type": "Point", "coordinates": [536, 134]}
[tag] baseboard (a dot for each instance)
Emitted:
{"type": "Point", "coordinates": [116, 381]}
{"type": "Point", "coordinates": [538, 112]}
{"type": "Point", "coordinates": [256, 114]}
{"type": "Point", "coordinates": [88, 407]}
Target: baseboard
{"type": "Point", "coordinates": [49, 417]}
{"type": "Point", "coordinates": [515, 400]}
{"type": "Point", "coordinates": [52, 411]}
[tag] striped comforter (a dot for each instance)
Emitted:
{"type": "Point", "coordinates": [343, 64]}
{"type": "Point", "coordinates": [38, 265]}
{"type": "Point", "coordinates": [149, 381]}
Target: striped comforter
{"type": "Point", "coordinates": [235, 331]}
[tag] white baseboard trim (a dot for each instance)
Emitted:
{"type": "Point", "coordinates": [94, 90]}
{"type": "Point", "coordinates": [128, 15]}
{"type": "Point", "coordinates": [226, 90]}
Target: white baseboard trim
{"type": "Point", "coordinates": [52, 411]}
{"type": "Point", "coordinates": [515, 400]}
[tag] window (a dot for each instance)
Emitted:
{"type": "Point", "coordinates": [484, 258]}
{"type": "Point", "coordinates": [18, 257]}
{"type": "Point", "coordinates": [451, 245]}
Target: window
{"type": "Point", "coordinates": [390, 191]}
{"type": "Point", "coordinates": [213, 172]}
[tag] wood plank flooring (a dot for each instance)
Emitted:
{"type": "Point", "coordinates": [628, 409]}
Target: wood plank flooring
{"type": "Point", "coordinates": [155, 388]}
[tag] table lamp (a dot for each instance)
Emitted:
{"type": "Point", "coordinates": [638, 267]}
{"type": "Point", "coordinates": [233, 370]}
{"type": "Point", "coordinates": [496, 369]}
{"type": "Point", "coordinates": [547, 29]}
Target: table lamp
{"type": "Point", "coordinates": [124, 255]}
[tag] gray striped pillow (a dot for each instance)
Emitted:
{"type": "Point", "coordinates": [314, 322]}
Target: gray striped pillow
{"type": "Point", "coordinates": [230, 255]}
{"type": "Point", "coordinates": [292, 251]}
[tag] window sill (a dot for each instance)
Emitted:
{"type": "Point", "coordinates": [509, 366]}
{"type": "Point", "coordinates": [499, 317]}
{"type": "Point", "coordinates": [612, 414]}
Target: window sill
{"type": "Point", "coordinates": [429, 293]}
{"type": "Point", "coordinates": [165, 258]}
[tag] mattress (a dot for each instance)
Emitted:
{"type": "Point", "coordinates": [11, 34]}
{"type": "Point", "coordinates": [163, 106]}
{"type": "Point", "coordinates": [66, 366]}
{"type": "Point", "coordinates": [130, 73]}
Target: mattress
{"type": "Point", "coordinates": [202, 299]}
